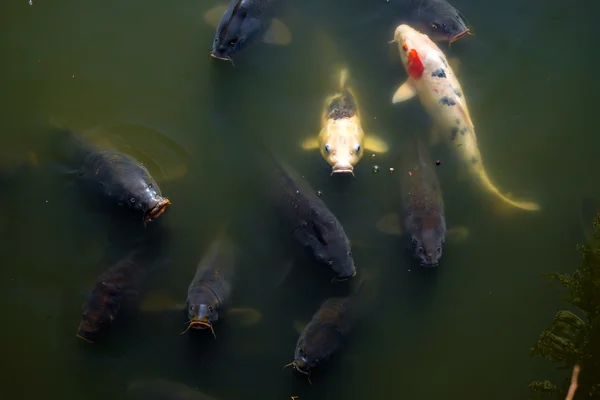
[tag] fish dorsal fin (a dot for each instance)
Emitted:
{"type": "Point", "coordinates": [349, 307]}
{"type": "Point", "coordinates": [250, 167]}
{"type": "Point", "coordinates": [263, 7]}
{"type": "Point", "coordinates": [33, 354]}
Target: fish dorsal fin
{"type": "Point", "coordinates": [405, 92]}
{"type": "Point", "coordinates": [278, 33]}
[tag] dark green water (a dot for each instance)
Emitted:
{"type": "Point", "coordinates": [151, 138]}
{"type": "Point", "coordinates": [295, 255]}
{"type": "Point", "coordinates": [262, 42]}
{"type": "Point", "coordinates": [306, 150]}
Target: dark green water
{"type": "Point", "coordinates": [461, 332]}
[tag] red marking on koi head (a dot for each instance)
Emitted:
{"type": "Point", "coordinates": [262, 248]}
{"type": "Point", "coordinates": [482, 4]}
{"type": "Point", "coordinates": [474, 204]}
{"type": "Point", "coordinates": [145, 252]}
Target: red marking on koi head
{"type": "Point", "coordinates": [414, 66]}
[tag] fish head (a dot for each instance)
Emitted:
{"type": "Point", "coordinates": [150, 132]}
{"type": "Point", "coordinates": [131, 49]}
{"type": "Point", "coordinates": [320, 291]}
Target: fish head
{"type": "Point", "coordinates": [145, 196]}
{"type": "Point", "coordinates": [303, 363]}
{"type": "Point", "coordinates": [428, 245]}
{"type": "Point", "coordinates": [342, 146]}
{"type": "Point", "coordinates": [235, 28]}
{"type": "Point", "coordinates": [330, 246]}
{"type": "Point", "coordinates": [440, 21]}
{"type": "Point", "coordinates": [202, 315]}
{"type": "Point", "coordinates": [95, 318]}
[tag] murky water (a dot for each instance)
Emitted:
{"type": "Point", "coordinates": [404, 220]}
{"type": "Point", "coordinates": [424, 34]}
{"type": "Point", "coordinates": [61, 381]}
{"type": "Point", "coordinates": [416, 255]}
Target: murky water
{"type": "Point", "coordinates": [463, 331]}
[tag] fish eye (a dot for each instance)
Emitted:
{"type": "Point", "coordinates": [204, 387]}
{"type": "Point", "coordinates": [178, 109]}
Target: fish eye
{"type": "Point", "coordinates": [420, 250]}
{"type": "Point", "coordinates": [150, 186]}
{"type": "Point", "coordinates": [330, 263]}
{"type": "Point", "coordinates": [357, 148]}
{"type": "Point", "coordinates": [132, 199]}
{"type": "Point", "coordinates": [210, 308]}
{"type": "Point", "coordinates": [327, 148]}
{"type": "Point", "coordinates": [414, 242]}
{"type": "Point", "coordinates": [435, 26]}
{"type": "Point", "coordinates": [233, 42]}
{"type": "Point", "coordinates": [349, 254]}
{"type": "Point", "coordinates": [439, 250]}
{"type": "Point", "coordinates": [444, 25]}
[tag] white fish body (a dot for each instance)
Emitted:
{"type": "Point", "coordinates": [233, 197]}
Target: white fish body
{"type": "Point", "coordinates": [432, 79]}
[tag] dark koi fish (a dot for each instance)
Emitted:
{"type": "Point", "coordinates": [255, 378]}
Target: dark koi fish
{"type": "Point", "coordinates": [115, 287]}
{"type": "Point", "coordinates": [324, 334]}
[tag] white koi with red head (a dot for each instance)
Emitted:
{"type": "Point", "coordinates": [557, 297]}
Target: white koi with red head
{"type": "Point", "coordinates": [431, 78]}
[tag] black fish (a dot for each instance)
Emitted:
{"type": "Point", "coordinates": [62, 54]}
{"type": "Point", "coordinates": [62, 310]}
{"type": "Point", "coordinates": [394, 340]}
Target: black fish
{"type": "Point", "coordinates": [117, 287]}
{"type": "Point", "coordinates": [325, 332]}
{"type": "Point", "coordinates": [424, 217]}
{"type": "Point", "coordinates": [242, 22]}
{"type": "Point", "coordinates": [210, 290]}
{"type": "Point", "coordinates": [117, 178]}
{"type": "Point", "coordinates": [438, 19]}
{"type": "Point", "coordinates": [311, 223]}
{"type": "Point", "coordinates": [423, 203]}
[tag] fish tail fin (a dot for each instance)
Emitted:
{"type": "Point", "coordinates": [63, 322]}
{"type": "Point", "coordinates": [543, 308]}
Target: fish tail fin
{"type": "Point", "coordinates": [489, 186]}
{"type": "Point", "coordinates": [344, 75]}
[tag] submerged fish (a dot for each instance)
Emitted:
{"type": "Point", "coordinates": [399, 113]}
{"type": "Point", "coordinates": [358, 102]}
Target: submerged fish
{"type": "Point", "coordinates": [209, 292]}
{"type": "Point", "coordinates": [342, 140]}
{"type": "Point", "coordinates": [423, 205]}
{"type": "Point", "coordinates": [161, 389]}
{"type": "Point", "coordinates": [323, 335]}
{"type": "Point", "coordinates": [310, 222]}
{"type": "Point", "coordinates": [432, 79]}
{"type": "Point", "coordinates": [438, 18]}
{"type": "Point", "coordinates": [243, 21]}
{"type": "Point", "coordinates": [115, 288]}
{"type": "Point", "coordinates": [118, 178]}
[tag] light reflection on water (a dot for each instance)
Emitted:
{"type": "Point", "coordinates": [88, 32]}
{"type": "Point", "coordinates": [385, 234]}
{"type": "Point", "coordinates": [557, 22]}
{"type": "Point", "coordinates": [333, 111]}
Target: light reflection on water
{"type": "Point", "coordinates": [464, 330]}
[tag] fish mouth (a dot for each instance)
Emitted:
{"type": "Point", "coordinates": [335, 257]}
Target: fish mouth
{"type": "Point", "coordinates": [200, 324]}
{"type": "Point", "coordinates": [298, 368]}
{"type": "Point", "coordinates": [430, 265]}
{"type": "Point", "coordinates": [343, 278]}
{"type": "Point", "coordinates": [459, 35]}
{"type": "Point", "coordinates": [342, 169]}
{"type": "Point", "coordinates": [80, 336]}
{"type": "Point", "coordinates": [157, 210]}
{"type": "Point", "coordinates": [222, 58]}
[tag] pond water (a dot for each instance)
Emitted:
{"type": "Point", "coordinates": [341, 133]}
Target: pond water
{"type": "Point", "coordinates": [139, 73]}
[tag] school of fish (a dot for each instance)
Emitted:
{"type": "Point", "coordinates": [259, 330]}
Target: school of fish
{"type": "Point", "coordinates": [120, 182]}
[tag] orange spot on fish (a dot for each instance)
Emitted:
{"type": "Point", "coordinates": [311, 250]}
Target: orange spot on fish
{"type": "Point", "coordinates": [414, 66]}
{"type": "Point", "coordinates": [404, 47]}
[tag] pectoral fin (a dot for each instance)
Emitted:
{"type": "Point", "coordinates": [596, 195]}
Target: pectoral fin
{"type": "Point", "coordinates": [299, 326]}
{"type": "Point", "coordinates": [278, 33]}
{"type": "Point", "coordinates": [159, 301]}
{"type": "Point", "coordinates": [457, 234]}
{"type": "Point", "coordinates": [375, 144]}
{"type": "Point", "coordinates": [244, 316]}
{"type": "Point", "coordinates": [310, 144]}
{"type": "Point", "coordinates": [214, 15]}
{"type": "Point", "coordinates": [390, 224]}
{"type": "Point", "coordinates": [405, 92]}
